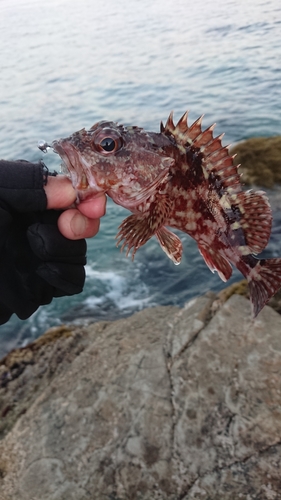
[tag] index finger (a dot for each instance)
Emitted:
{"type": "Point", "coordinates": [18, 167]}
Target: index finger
{"type": "Point", "coordinates": [59, 191]}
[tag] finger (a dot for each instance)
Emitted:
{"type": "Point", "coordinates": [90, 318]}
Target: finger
{"type": "Point", "coordinates": [59, 191]}
{"type": "Point", "coordinates": [94, 207]}
{"type": "Point", "coordinates": [74, 225]}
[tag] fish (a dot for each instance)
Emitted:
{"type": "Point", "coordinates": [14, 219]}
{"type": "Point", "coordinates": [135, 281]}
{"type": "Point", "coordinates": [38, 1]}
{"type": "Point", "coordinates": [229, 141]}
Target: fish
{"type": "Point", "coordinates": [179, 178]}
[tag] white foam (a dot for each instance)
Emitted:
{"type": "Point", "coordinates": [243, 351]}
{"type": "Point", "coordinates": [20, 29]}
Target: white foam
{"type": "Point", "coordinates": [117, 290]}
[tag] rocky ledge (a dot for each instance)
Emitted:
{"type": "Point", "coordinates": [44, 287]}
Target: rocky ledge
{"type": "Point", "coordinates": [260, 159]}
{"type": "Point", "coordinates": [169, 403]}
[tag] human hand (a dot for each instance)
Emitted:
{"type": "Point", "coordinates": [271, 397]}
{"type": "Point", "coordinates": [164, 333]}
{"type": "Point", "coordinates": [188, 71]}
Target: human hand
{"type": "Point", "coordinates": [42, 245]}
{"type": "Point", "coordinates": [74, 223]}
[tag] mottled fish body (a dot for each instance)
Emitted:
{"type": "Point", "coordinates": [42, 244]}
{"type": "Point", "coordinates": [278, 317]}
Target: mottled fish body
{"type": "Point", "coordinates": [183, 178]}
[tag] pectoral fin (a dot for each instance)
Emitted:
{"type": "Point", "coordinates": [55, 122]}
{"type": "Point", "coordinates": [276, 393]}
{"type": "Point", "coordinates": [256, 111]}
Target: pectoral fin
{"type": "Point", "coordinates": [134, 232]}
{"type": "Point", "coordinates": [137, 229]}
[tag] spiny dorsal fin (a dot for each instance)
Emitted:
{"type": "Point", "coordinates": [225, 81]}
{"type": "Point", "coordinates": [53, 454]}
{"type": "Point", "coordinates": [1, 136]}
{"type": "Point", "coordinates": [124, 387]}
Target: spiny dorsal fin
{"type": "Point", "coordinates": [215, 157]}
{"type": "Point", "coordinates": [195, 129]}
{"type": "Point", "coordinates": [193, 134]}
{"type": "Point", "coordinates": [170, 126]}
{"type": "Point", "coordinates": [182, 123]}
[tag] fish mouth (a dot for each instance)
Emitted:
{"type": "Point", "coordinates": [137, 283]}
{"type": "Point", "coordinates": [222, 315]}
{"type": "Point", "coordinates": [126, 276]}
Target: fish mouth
{"type": "Point", "coordinates": [74, 168]}
{"type": "Point", "coordinates": [71, 164]}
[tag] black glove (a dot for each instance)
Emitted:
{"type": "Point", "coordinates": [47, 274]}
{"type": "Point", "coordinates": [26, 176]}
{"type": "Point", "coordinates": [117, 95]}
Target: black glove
{"type": "Point", "coordinates": [37, 263]}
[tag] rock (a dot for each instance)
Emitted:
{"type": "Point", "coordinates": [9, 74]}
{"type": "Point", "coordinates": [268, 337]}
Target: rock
{"type": "Point", "coordinates": [172, 404]}
{"type": "Point", "coordinates": [260, 159]}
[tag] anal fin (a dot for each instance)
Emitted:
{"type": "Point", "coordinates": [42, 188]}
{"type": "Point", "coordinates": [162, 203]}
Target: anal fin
{"type": "Point", "coordinates": [216, 262]}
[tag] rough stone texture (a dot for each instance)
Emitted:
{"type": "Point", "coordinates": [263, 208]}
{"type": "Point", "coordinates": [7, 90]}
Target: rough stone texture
{"type": "Point", "coordinates": [170, 403]}
{"type": "Point", "coordinates": [260, 159]}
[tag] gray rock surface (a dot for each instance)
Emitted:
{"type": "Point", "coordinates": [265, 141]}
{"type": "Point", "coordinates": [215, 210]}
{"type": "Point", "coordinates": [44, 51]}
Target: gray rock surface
{"type": "Point", "coordinates": [170, 403]}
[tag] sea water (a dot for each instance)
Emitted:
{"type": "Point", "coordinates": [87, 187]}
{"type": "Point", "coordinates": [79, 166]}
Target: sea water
{"type": "Point", "coordinates": [66, 65]}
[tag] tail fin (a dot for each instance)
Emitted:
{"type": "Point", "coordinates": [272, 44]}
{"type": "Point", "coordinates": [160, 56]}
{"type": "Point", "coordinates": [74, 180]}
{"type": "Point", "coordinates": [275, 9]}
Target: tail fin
{"type": "Point", "coordinates": [264, 281]}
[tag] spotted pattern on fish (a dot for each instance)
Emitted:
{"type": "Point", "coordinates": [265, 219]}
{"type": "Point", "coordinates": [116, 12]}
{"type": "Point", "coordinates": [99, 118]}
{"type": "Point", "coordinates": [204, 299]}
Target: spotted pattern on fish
{"type": "Point", "coordinates": [184, 178]}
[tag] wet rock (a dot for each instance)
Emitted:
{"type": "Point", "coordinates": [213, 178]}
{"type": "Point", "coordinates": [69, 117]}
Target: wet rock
{"type": "Point", "coordinates": [260, 159]}
{"type": "Point", "coordinates": [169, 403]}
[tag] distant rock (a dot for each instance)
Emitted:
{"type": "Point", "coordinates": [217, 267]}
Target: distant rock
{"type": "Point", "coordinates": [260, 159]}
{"type": "Point", "coordinates": [168, 404]}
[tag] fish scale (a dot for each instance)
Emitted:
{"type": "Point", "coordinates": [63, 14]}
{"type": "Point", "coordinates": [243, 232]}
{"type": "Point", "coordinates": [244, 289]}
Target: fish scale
{"type": "Point", "coordinates": [183, 178]}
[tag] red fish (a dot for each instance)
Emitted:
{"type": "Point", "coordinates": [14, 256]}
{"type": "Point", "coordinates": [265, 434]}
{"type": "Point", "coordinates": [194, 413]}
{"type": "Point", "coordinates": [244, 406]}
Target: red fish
{"type": "Point", "coordinates": [183, 178]}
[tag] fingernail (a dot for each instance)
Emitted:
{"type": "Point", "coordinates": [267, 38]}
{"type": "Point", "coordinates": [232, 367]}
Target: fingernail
{"type": "Point", "coordinates": [78, 224]}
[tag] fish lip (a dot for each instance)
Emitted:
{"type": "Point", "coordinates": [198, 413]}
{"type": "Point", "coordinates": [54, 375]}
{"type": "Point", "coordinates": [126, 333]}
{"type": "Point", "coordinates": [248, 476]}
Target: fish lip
{"type": "Point", "coordinates": [57, 148]}
{"type": "Point", "coordinates": [89, 194]}
{"type": "Point", "coordinates": [66, 153]}
{"type": "Point", "coordinates": [75, 171]}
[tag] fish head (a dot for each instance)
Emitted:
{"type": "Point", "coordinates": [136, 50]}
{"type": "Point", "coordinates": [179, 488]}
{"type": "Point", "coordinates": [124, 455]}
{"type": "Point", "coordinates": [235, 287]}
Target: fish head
{"type": "Point", "coordinates": [127, 163]}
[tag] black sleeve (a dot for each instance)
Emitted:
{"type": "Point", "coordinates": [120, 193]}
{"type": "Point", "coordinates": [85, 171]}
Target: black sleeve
{"type": "Point", "coordinates": [37, 263]}
{"type": "Point", "coordinates": [21, 186]}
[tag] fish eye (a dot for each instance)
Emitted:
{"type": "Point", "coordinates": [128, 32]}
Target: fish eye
{"type": "Point", "coordinates": [108, 144]}
{"type": "Point", "coordinates": [107, 141]}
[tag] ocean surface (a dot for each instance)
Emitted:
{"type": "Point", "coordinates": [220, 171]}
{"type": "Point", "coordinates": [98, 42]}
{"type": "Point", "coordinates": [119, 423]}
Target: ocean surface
{"type": "Point", "coordinates": [66, 65]}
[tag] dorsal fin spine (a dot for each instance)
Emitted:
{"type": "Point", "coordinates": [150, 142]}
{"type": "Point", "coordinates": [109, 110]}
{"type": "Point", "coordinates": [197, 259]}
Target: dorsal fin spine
{"type": "Point", "coordinates": [222, 151]}
{"type": "Point", "coordinates": [183, 121]}
{"type": "Point", "coordinates": [170, 127]}
{"type": "Point", "coordinates": [216, 157]}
